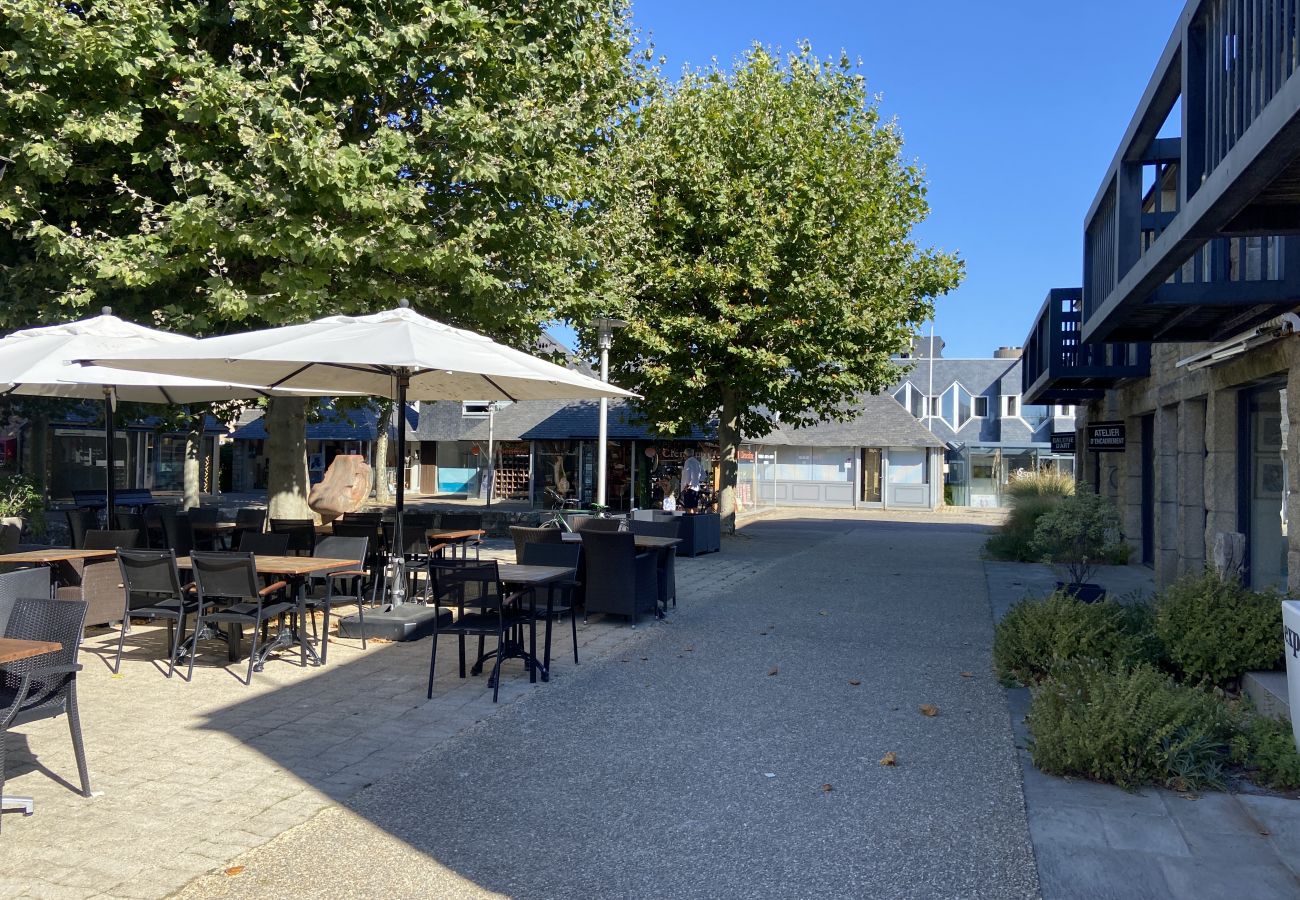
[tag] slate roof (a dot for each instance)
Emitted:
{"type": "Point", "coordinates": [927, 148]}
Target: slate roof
{"type": "Point", "coordinates": [335, 425]}
{"type": "Point", "coordinates": [882, 423]}
{"type": "Point", "coordinates": [580, 420]}
{"type": "Point", "coordinates": [443, 421]}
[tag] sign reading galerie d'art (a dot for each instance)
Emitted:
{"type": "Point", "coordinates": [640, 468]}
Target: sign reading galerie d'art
{"type": "Point", "coordinates": [1062, 441]}
{"type": "Point", "coordinates": [1106, 437]}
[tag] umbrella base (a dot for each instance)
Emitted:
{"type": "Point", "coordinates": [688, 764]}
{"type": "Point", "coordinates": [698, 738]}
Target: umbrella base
{"type": "Point", "coordinates": [409, 622]}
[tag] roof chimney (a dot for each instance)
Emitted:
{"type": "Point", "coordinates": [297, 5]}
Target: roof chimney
{"type": "Point", "coordinates": [1007, 353]}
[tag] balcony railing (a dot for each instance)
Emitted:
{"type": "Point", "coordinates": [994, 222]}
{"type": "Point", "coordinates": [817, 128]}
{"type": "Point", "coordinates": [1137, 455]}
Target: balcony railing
{"type": "Point", "coordinates": [1058, 367]}
{"type": "Point", "coordinates": [1184, 239]}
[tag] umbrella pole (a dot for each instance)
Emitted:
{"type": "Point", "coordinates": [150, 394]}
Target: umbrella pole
{"type": "Point", "coordinates": [110, 458]}
{"type": "Point", "coordinates": [399, 560]}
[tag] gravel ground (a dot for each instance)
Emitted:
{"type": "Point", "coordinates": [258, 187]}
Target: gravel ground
{"type": "Point", "coordinates": [733, 751]}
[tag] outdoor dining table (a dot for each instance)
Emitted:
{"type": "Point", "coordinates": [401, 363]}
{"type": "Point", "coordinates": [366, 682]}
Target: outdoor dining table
{"type": "Point", "coordinates": [460, 538]}
{"type": "Point", "coordinates": [295, 570]}
{"type": "Point", "coordinates": [520, 575]}
{"type": "Point", "coordinates": [48, 556]}
{"type": "Point", "coordinates": [13, 650]}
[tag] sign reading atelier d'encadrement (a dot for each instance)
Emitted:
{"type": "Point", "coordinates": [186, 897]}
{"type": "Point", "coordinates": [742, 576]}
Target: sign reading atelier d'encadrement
{"type": "Point", "coordinates": [1062, 441]}
{"type": "Point", "coordinates": [1106, 436]}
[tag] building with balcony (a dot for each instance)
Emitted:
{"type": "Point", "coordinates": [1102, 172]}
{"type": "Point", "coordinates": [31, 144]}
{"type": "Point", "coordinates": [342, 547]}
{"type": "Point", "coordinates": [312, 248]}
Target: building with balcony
{"type": "Point", "coordinates": [979, 409]}
{"type": "Point", "coordinates": [1192, 246]}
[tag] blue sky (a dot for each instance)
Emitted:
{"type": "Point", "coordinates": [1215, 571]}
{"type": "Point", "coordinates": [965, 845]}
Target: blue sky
{"type": "Point", "coordinates": [1014, 108]}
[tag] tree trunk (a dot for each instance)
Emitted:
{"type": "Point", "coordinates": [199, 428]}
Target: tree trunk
{"type": "Point", "coordinates": [286, 452]}
{"type": "Point", "coordinates": [38, 431]}
{"type": "Point", "coordinates": [382, 496]}
{"type": "Point", "coordinates": [193, 467]}
{"type": "Point", "coordinates": [728, 447]}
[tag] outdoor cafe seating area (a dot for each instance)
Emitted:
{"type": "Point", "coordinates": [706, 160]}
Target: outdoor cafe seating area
{"type": "Point", "coordinates": [198, 594]}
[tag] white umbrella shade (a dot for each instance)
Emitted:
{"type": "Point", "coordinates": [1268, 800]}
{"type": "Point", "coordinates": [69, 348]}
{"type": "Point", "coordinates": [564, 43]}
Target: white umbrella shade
{"type": "Point", "coordinates": [369, 354]}
{"type": "Point", "coordinates": [38, 362]}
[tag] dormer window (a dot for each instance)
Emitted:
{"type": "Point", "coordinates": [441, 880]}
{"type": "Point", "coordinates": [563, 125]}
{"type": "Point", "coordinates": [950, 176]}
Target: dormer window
{"type": "Point", "coordinates": [475, 409]}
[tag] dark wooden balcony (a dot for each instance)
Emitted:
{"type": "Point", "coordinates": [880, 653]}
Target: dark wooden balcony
{"type": "Point", "coordinates": [1057, 367]}
{"type": "Point", "coordinates": [1185, 240]}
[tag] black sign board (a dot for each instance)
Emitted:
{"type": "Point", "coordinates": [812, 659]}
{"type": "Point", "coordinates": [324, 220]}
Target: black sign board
{"type": "Point", "coordinates": [1105, 437]}
{"type": "Point", "coordinates": [1062, 441]}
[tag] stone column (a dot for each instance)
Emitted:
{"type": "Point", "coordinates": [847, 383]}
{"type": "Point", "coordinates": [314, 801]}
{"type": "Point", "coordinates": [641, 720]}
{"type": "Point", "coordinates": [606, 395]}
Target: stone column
{"type": "Point", "coordinates": [1191, 477]}
{"type": "Point", "coordinates": [1130, 498]}
{"type": "Point", "coordinates": [1166, 495]}
{"type": "Point", "coordinates": [1219, 483]}
{"type": "Point", "coordinates": [1292, 413]}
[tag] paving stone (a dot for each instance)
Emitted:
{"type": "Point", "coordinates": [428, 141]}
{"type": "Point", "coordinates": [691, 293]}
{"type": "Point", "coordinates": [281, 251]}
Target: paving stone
{"type": "Point", "coordinates": [1197, 879]}
{"type": "Point", "coordinates": [1067, 871]}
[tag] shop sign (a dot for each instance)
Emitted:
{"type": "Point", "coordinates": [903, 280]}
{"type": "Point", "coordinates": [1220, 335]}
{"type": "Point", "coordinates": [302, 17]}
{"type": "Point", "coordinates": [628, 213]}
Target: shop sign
{"type": "Point", "coordinates": [1062, 441]}
{"type": "Point", "coordinates": [744, 456]}
{"type": "Point", "coordinates": [1105, 437]}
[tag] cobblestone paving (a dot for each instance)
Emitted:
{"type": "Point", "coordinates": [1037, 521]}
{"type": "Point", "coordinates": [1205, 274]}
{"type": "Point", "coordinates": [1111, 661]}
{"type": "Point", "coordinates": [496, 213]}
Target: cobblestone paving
{"type": "Point", "coordinates": [189, 776]}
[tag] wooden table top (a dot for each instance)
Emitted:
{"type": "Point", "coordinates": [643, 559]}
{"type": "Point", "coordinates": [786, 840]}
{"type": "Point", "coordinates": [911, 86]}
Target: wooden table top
{"type": "Point", "coordinates": [641, 541]}
{"type": "Point", "coordinates": [53, 555]}
{"type": "Point", "coordinates": [215, 527]}
{"type": "Point", "coordinates": [288, 565]}
{"type": "Point", "coordinates": [14, 649]}
{"type": "Point", "coordinates": [515, 573]}
{"type": "Point", "coordinates": [435, 534]}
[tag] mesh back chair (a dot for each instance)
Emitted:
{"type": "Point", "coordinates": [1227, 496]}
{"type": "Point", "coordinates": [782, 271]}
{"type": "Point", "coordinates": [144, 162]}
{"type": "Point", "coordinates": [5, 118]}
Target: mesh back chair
{"type": "Point", "coordinates": [523, 535]}
{"type": "Point", "coordinates": [229, 592]}
{"type": "Point", "coordinates": [33, 582]}
{"type": "Point", "coordinates": [152, 585]}
{"type": "Point", "coordinates": [474, 591]}
{"type": "Point", "coordinates": [372, 532]}
{"type": "Point", "coordinates": [594, 524]}
{"type": "Point", "coordinates": [463, 522]}
{"type": "Point", "coordinates": [248, 521]}
{"type": "Point", "coordinates": [96, 581]}
{"type": "Point", "coordinates": [131, 521]}
{"type": "Point", "coordinates": [667, 562]}
{"type": "Point", "coordinates": [79, 522]}
{"type": "Point", "coordinates": [561, 596]}
{"type": "Point", "coordinates": [264, 543]}
{"type": "Point", "coordinates": [178, 534]}
{"type": "Point", "coordinates": [343, 585]}
{"type": "Point", "coordinates": [301, 532]}
{"type": "Point", "coordinates": [619, 580]}
{"type": "Point", "coordinates": [44, 686]}
{"type": "Point", "coordinates": [202, 519]}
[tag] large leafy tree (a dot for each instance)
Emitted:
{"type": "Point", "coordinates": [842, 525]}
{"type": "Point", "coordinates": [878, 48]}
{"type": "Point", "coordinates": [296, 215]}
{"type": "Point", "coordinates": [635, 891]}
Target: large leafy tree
{"type": "Point", "coordinates": [759, 240]}
{"type": "Point", "coordinates": [229, 164]}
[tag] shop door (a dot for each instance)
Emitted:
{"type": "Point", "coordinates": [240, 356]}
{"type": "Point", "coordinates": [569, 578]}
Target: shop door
{"type": "Point", "coordinates": [871, 464]}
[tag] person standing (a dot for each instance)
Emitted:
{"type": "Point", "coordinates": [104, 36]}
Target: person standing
{"type": "Point", "coordinates": [692, 478]}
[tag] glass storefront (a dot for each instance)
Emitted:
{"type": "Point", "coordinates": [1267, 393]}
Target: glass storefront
{"type": "Point", "coordinates": [557, 469]}
{"type": "Point", "coordinates": [1264, 493]}
{"type": "Point", "coordinates": [78, 461]}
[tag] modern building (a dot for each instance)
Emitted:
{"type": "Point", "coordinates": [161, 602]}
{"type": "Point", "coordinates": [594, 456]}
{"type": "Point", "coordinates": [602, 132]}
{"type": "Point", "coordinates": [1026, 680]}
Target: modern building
{"type": "Point", "coordinates": [1180, 344]}
{"type": "Point", "coordinates": [976, 408]}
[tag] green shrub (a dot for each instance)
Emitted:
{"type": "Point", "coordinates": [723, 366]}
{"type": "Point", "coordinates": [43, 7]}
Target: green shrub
{"type": "Point", "coordinates": [1035, 636]}
{"type": "Point", "coordinates": [19, 497]}
{"type": "Point", "coordinates": [1218, 630]}
{"type": "Point", "coordinates": [1014, 539]}
{"type": "Point", "coordinates": [1128, 727]}
{"type": "Point", "coordinates": [1080, 533]}
{"type": "Point", "coordinates": [1266, 749]}
{"type": "Point", "coordinates": [1043, 483]}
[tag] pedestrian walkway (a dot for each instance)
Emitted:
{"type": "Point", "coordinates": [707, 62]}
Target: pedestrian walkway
{"type": "Point", "coordinates": [733, 751]}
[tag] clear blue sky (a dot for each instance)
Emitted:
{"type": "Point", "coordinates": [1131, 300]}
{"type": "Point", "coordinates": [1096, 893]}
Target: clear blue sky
{"type": "Point", "coordinates": [1015, 109]}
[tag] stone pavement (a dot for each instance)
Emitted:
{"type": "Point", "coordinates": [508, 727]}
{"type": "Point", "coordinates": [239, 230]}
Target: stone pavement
{"type": "Point", "coordinates": [733, 751]}
{"type": "Point", "coordinates": [1098, 841]}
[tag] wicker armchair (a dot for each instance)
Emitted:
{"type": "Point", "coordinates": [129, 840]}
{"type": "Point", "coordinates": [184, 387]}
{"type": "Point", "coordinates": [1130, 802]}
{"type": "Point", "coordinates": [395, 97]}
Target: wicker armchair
{"type": "Point", "coordinates": [667, 561]}
{"type": "Point", "coordinates": [619, 581]}
{"type": "Point", "coordinates": [594, 524]}
{"type": "Point", "coordinates": [524, 535]}
{"type": "Point", "coordinates": [96, 581]}
{"type": "Point", "coordinates": [44, 686]}
{"type": "Point", "coordinates": [34, 582]}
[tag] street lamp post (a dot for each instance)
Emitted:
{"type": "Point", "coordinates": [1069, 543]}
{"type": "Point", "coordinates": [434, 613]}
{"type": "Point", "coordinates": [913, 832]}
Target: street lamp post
{"type": "Point", "coordinates": [605, 338]}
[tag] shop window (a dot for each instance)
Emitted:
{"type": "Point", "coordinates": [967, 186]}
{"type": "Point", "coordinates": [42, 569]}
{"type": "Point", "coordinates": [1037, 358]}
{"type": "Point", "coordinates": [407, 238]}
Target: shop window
{"type": "Point", "coordinates": [1010, 406]}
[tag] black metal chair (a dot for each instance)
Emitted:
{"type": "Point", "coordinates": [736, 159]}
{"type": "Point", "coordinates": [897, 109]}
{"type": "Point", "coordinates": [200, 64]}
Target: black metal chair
{"type": "Point", "coordinates": [372, 532]}
{"type": "Point", "coordinates": [619, 580]}
{"type": "Point", "coordinates": [152, 585]}
{"type": "Point", "coordinates": [524, 535]}
{"type": "Point", "coordinates": [302, 534]}
{"type": "Point", "coordinates": [667, 559]}
{"type": "Point", "coordinates": [463, 522]}
{"type": "Point", "coordinates": [248, 520]}
{"type": "Point", "coordinates": [131, 521]}
{"type": "Point", "coordinates": [79, 522]}
{"type": "Point", "coordinates": [561, 596]}
{"type": "Point", "coordinates": [606, 525]}
{"type": "Point", "coordinates": [474, 591]}
{"type": "Point", "coordinates": [111, 540]}
{"type": "Point", "coordinates": [230, 593]}
{"type": "Point", "coordinates": [178, 534]}
{"type": "Point", "coordinates": [203, 519]}
{"type": "Point", "coordinates": [264, 543]}
{"type": "Point", "coordinates": [322, 593]}
{"type": "Point", "coordinates": [44, 686]}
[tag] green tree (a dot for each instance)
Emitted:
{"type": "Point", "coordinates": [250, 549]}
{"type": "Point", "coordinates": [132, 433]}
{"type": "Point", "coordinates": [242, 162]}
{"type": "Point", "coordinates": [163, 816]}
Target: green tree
{"type": "Point", "coordinates": [759, 241]}
{"type": "Point", "coordinates": [209, 167]}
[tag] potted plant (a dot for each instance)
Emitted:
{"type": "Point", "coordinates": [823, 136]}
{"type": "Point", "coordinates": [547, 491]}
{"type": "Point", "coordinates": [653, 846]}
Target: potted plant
{"type": "Point", "coordinates": [21, 504]}
{"type": "Point", "coordinates": [1075, 537]}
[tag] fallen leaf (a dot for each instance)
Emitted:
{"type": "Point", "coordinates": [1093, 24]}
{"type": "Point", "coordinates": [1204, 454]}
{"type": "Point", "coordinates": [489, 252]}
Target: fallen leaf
{"type": "Point", "coordinates": [967, 675]}
{"type": "Point", "coordinates": [823, 613]}
{"type": "Point", "coordinates": [855, 682]}
{"type": "Point", "coordinates": [644, 658]}
{"type": "Point", "coordinates": [826, 788]}
{"type": "Point", "coordinates": [235, 870]}
{"type": "Point", "coordinates": [774, 670]}
{"type": "Point", "coordinates": [1190, 796]}
{"type": "Point", "coordinates": [689, 647]}
{"type": "Point", "coordinates": [1265, 832]}
{"type": "Point", "coordinates": [889, 759]}
{"type": "Point", "coordinates": [929, 709]}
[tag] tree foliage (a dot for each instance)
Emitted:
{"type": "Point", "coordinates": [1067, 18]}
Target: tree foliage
{"type": "Point", "coordinates": [238, 163]}
{"type": "Point", "coordinates": [759, 241]}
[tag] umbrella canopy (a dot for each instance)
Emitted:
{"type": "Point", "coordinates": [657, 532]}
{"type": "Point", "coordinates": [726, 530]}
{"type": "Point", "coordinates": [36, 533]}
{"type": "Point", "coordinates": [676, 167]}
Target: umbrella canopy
{"type": "Point", "coordinates": [38, 361]}
{"type": "Point", "coordinates": [369, 355]}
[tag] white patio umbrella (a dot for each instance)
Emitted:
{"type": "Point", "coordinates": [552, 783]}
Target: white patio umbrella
{"type": "Point", "coordinates": [37, 362]}
{"type": "Point", "coordinates": [397, 354]}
